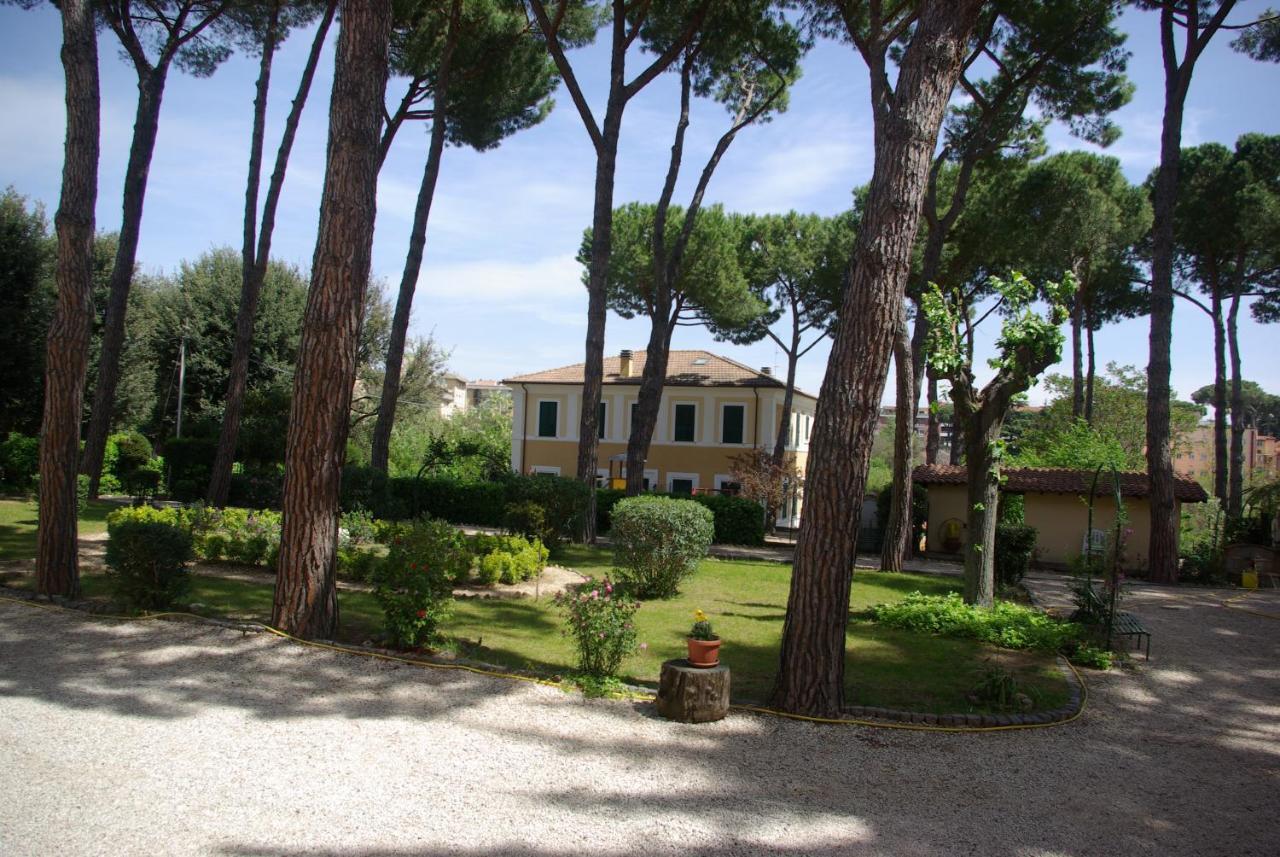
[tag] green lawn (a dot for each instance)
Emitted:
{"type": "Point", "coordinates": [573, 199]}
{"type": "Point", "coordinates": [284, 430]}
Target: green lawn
{"type": "Point", "coordinates": [18, 525]}
{"type": "Point", "coordinates": [746, 602]}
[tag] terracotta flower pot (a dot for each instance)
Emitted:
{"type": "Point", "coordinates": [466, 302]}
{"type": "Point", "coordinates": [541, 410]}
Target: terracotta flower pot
{"type": "Point", "coordinates": [704, 653]}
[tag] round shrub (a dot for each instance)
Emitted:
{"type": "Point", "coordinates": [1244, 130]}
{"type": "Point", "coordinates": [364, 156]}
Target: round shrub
{"type": "Point", "coordinates": [133, 452]}
{"type": "Point", "coordinates": [148, 563]}
{"type": "Point", "coordinates": [658, 541]}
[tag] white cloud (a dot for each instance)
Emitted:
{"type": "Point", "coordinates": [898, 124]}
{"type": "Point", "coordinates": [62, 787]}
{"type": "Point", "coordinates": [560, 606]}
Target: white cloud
{"type": "Point", "coordinates": [500, 283]}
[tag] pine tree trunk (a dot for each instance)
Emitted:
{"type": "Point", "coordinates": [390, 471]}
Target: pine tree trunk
{"type": "Point", "coordinates": [1091, 372]}
{"type": "Point", "coordinates": [394, 366]}
{"type": "Point", "coordinates": [220, 476]}
{"type": "Point", "coordinates": [1221, 467]}
{"type": "Point", "coordinates": [810, 677]}
{"type": "Point", "coordinates": [305, 596]}
{"type": "Point", "coordinates": [251, 289]}
{"type": "Point", "coordinates": [1235, 487]}
{"type": "Point", "coordinates": [67, 349]}
{"type": "Point", "coordinates": [648, 400]}
{"type": "Point", "coordinates": [956, 449]}
{"type": "Point", "coordinates": [982, 432]}
{"type": "Point", "coordinates": [1077, 359]}
{"type": "Point", "coordinates": [788, 396]}
{"type": "Point", "coordinates": [1163, 546]}
{"type": "Point", "coordinates": [933, 432]}
{"type": "Point", "coordinates": [145, 128]}
{"type": "Point", "coordinates": [897, 531]}
{"type": "Point", "coordinates": [597, 305]}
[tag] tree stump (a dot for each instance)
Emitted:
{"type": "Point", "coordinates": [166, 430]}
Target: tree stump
{"type": "Point", "coordinates": [692, 694]}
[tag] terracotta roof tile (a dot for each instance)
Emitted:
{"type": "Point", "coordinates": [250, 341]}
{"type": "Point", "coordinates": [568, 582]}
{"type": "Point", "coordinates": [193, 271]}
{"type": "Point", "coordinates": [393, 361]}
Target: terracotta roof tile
{"type": "Point", "coordinates": [684, 369]}
{"type": "Point", "coordinates": [1061, 480]}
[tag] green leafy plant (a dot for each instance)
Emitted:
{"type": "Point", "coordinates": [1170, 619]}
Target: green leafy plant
{"type": "Point", "coordinates": [658, 542]}
{"type": "Point", "coordinates": [356, 527]}
{"type": "Point", "coordinates": [414, 593]}
{"type": "Point", "coordinates": [602, 624]}
{"type": "Point", "coordinates": [998, 687]}
{"type": "Point", "coordinates": [1015, 545]}
{"type": "Point", "coordinates": [148, 563]}
{"type": "Point", "coordinates": [1006, 624]}
{"type": "Point", "coordinates": [701, 629]}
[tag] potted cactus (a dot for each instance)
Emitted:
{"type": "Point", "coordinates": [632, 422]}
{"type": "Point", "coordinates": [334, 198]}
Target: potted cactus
{"type": "Point", "coordinates": [704, 645]}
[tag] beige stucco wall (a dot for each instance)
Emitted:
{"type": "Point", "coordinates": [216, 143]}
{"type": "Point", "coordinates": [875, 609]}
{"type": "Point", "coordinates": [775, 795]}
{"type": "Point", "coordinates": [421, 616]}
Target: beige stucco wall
{"type": "Point", "coordinates": [1060, 521]}
{"type": "Point", "coordinates": [706, 459]}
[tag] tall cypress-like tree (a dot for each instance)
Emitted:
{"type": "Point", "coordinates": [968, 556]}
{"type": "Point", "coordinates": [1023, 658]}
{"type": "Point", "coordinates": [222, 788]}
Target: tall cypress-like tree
{"type": "Point", "coordinates": [1067, 59]}
{"type": "Point", "coordinates": [67, 355]}
{"type": "Point", "coordinates": [1186, 29]}
{"type": "Point", "coordinates": [907, 113]}
{"type": "Point", "coordinates": [270, 26]}
{"type": "Point", "coordinates": [156, 35]}
{"type": "Point", "coordinates": [305, 597]}
{"type": "Point", "coordinates": [487, 77]}
{"type": "Point", "coordinates": [664, 30]}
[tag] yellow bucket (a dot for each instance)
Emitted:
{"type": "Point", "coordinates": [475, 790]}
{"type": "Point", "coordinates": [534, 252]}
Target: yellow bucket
{"type": "Point", "coordinates": [1249, 579]}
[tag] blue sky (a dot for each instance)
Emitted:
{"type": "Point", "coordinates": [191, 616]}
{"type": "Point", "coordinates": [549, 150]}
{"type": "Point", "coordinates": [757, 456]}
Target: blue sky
{"type": "Point", "coordinates": [500, 286]}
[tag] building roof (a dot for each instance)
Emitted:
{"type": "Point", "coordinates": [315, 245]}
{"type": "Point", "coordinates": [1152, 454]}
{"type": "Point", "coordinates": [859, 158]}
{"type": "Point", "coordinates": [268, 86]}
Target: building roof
{"type": "Point", "coordinates": [1061, 480]}
{"type": "Point", "coordinates": [684, 369]}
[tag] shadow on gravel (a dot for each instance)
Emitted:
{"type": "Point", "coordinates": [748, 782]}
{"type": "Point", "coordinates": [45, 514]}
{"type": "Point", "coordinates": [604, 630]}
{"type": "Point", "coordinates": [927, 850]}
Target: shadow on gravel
{"type": "Point", "coordinates": [1173, 757]}
{"type": "Point", "coordinates": [146, 670]}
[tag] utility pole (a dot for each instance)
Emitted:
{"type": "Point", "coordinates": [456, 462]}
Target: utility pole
{"type": "Point", "coordinates": [182, 377]}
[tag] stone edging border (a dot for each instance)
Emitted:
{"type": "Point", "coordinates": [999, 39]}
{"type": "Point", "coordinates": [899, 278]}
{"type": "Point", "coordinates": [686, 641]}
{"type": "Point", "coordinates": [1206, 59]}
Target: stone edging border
{"type": "Point", "coordinates": [1075, 699]}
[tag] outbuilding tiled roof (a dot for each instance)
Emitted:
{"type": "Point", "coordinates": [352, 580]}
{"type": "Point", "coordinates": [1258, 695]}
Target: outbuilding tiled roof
{"type": "Point", "coordinates": [1061, 480]}
{"type": "Point", "coordinates": [684, 369]}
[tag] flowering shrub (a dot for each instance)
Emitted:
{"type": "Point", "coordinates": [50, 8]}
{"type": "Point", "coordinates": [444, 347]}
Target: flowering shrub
{"type": "Point", "coordinates": [356, 527]}
{"type": "Point", "coordinates": [658, 542]}
{"type": "Point", "coordinates": [413, 592]}
{"type": "Point", "coordinates": [602, 625]}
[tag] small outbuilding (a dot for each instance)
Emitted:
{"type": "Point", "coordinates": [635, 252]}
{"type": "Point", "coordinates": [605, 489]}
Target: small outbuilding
{"type": "Point", "coordinates": [1056, 504]}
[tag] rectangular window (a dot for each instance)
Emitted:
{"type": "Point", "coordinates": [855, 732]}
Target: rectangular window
{"type": "Point", "coordinates": [631, 426]}
{"type": "Point", "coordinates": [548, 418]}
{"type": "Point", "coordinates": [806, 431]}
{"type": "Point", "coordinates": [681, 486]}
{"type": "Point", "coordinates": [686, 422]}
{"type": "Point", "coordinates": [733, 418]}
{"type": "Point", "coordinates": [602, 420]}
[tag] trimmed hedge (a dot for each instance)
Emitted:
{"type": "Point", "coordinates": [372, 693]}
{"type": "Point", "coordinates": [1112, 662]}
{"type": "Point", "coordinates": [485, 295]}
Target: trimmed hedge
{"type": "Point", "coordinates": [738, 521]}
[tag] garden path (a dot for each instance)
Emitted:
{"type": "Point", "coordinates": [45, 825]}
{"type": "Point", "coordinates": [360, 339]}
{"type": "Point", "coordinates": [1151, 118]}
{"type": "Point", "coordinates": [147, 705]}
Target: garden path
{"type": "Point", "coordinates": [179, 738]}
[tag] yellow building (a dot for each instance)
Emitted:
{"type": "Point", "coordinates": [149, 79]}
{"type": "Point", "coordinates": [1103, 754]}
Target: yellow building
{"type": "Point", "coordinates": [1055, 503]}
{"type": "Point", "coordinates": [712, 409]}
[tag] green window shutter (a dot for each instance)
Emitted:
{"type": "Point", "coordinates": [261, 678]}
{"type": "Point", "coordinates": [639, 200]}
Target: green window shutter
{"type": "Point", "coordinates": [548, 417]}
{"type": "Point", "coordinates": [601, 421]}
{"type": "Point", "coordinates": [686, 420]}
{"type": "Point", "coordinates": [681, 486]}
{"type": "Point", "coordinates": [734, 417]}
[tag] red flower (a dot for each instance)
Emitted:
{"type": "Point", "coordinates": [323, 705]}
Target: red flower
{"type": "Point", "coordinates": [422, 614]}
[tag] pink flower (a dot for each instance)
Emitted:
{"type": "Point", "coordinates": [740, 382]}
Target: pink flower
{"type": "Point", "coordinates": [644, 647]}
{"type": "Point", "coordinates": [602, 635]}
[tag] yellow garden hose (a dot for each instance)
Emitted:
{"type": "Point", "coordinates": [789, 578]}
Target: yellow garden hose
{"type": "Point", "coordinates": [754, 709]}
{"type": "Point", "coordinates": [1243, 595]}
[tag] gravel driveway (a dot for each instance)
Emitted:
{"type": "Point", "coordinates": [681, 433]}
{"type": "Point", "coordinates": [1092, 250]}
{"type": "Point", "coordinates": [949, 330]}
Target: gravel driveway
{"type": "Point", "coordinates": [169, 738]}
